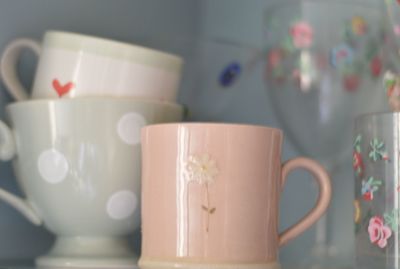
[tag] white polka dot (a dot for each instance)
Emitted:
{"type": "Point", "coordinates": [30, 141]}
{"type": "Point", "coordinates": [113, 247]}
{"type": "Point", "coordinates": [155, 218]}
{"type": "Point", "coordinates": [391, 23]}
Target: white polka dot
{"type": "Point", "coordinates": [53, 166]}
{"type": "Point", "coordinates": [129, 127]}
{"type": "Point", "coordinates": [121, 205]}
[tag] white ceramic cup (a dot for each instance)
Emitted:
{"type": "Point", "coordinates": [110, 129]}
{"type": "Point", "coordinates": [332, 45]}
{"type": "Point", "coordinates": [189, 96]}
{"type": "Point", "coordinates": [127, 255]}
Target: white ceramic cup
{"type": "Point", "coordinates": [81, 176]}
{"type": "Point", "coordinates": [75, 65]}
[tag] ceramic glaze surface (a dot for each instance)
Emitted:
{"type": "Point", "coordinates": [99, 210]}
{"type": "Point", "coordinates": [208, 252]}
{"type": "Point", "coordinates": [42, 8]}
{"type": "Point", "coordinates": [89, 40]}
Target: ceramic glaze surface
{"type": "Point", "coordinates": [75, 167]}
{"type": "Point", "coordinates": [81, 177]}
{"type": "Point", "coordinates": [74, 65]}
{"type": "Point", "coordinates": [215, 193]}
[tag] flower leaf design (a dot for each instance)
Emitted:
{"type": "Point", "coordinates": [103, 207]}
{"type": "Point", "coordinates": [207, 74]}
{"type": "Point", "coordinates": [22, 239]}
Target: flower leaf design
{"type": "Point", "coordinates": [357, 143]}
{"type": "Point", "coordinates": [377, 151]}
{"type": "Point", "coordinates": [369, 188]}
{"type": "Point", "coordinates": [358, 163]}
{"type": "Point", "coordinates": [392, 219]}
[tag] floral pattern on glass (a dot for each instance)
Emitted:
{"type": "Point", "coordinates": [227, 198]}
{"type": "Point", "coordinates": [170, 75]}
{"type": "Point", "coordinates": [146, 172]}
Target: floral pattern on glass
{"type": "Point", "coordinates": [342, 55]}
{"type": "Point", "coordinates": [357, 211]}
{"type": "Point", "coordinates": [230, 74]}
{"type": "Point", "coordinates": [358, 163]}
{"type": "Point", "coordinates": [377, 151]}
{"type": "Point", "coordinates": [379, 233]}
{"type": "Point", "coordinates": [369, 187]}
{"type": "Point", "coordinates": [391, 84]}
{"type": "Point", "coordinates": [302, 34]}
{"type": "Point", "coordinates": [356, 57]}
{"type": "Point", "coordinates": [392, 219]}
{"type": "Point", "coordinates": [359, 25]}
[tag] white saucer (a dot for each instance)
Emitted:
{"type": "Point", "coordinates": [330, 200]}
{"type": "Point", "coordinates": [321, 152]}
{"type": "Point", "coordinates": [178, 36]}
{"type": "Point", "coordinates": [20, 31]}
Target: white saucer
{"type": "Point", "coordinates": [49, 262]}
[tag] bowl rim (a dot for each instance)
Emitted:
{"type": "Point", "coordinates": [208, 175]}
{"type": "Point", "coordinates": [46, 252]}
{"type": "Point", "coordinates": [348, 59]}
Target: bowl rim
{"type": "Point", "coordinates": [107, 47]}
{"type": "Point", "coordinates": [206, 124]}
{"type": "Point", "coordinates": [86, 99]}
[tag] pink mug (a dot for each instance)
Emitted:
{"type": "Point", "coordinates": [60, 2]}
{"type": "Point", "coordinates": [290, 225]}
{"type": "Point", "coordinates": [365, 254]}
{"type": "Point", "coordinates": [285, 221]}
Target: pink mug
{"type": "Point", "coordinates": [210, 196]}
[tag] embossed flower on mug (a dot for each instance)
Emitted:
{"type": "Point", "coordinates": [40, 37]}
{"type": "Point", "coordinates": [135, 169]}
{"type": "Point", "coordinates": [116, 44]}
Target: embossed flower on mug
{"type": "Point", "coordinates": [378, 232]}
{"type": "Point", "coordinates": [202, 169]}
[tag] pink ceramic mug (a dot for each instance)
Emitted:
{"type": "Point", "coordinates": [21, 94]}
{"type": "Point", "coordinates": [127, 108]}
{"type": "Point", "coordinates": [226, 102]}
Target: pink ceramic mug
{"type": "Point", "coordinates": [210, 196]}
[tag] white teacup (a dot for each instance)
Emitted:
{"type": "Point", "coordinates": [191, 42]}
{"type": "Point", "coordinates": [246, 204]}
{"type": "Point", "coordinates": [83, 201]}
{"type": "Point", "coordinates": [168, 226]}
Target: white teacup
{"type": "Point", "coordinates": [78, 162]}
{"type": "Point", "coordinates": [74, 65]}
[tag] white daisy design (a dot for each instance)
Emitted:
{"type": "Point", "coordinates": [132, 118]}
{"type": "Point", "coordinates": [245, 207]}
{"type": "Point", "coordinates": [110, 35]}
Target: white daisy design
{"type": "Point", "coordinates": [202, 169]}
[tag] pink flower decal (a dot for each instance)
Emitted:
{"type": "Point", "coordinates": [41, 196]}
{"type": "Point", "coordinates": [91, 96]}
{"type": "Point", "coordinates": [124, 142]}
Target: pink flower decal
{"type": "Point", "coordinates": [379, 233]}
{"type": "Point", "coordinates": [396, 30]}
{"type": "Point", "coordinates": [358, 164]}
{"type": "Point", "coordinates": [351, 82]}
{"type": "Point", "coordinates": [275, 58]}
{"type": "Point", "coordinates": [302, 35]}
{"type": "Point", "coordinates": [391, 83]}
{"type": "Point", "coordinates": [375, 66]}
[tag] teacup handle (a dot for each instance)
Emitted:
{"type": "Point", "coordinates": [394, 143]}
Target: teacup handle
{"type": "Point", "coordinates": [8, 66]}
{"type": "Point", "coordinates": [325, 193]}
{"type": "Point", "coordinates": [7, 152]}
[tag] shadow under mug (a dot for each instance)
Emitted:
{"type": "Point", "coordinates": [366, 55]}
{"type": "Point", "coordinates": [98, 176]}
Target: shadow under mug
{"type": "Point", "coordinates": [78, 162]}
{"type": "Point", "coordinates": [213, 200]}
{"type": "Point", "coordinates": [74, 65]}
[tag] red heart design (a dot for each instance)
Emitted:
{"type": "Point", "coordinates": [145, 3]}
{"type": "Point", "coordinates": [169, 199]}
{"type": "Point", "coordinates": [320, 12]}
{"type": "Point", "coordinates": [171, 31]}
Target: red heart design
{"type": "Point", "coordinates": [62, 89]}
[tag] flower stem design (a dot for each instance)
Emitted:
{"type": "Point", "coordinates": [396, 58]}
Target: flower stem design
{"type": "Point", "coordinates": [210, 210]}
{"type": "Point", "coordinates": [203, 170]}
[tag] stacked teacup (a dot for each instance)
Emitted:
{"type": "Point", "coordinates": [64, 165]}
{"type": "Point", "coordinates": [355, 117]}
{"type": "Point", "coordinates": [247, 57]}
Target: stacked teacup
{"type": "Point", "coordinates": [76, 146]}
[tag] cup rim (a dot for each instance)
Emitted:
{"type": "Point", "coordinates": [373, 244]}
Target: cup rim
{"type": "Point", "coordinates": [376, 114]}
{"type": "Point", "coordinates": [122, 50]}
{"type": "Point", "coordinates": [280, 4]}
{"type": "Point", "coordinates": [213, 124]}
{"type": "Point", "coordinates": [33, 102]}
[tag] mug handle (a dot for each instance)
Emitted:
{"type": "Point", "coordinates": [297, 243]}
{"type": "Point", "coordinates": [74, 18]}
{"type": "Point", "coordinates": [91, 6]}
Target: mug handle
{"type": "Point", "coordinates": [324, 197]}
{"type": "Point", "coordinates": [8, 66]}
{"type": "Point", "coordinates": [7, 152]}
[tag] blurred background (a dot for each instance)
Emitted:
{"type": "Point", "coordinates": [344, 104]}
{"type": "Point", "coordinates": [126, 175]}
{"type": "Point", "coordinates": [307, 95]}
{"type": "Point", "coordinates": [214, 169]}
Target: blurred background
{"type": "Point", "coordinates": [211, 35]}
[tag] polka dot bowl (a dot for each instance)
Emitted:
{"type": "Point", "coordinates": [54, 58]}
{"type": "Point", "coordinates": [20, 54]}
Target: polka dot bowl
{"type": "Point", "coordinates": [78, 162]}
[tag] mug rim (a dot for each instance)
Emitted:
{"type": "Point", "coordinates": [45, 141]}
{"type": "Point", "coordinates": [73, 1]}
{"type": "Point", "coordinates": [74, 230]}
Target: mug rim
{"type": "Point", "coordinates": [113, 48]}
{"type": "Point", "coordinates": [34, 102]}
{"type": "Point", "coordinates": [213, 124]}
